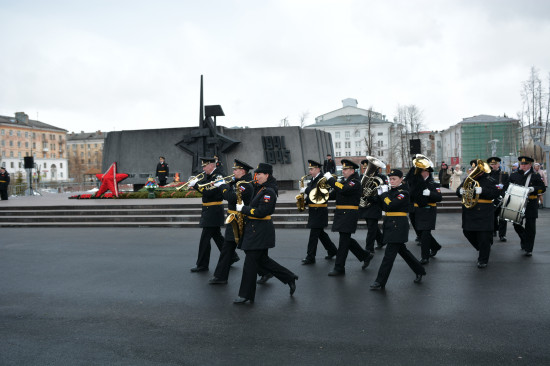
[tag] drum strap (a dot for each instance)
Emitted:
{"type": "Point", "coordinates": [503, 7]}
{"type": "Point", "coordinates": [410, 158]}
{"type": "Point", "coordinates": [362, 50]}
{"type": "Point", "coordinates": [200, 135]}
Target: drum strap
{"type": "Point", "coordinates": [528, 180]}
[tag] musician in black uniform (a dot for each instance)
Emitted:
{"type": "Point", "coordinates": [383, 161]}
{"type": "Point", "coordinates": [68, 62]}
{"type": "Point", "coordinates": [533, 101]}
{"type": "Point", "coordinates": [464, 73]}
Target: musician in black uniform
{"type": "Point", "coordinates": [259, 236]}
{"type": "Point", "coordinates": [502, 179]}
{"type": "Point", "coordinates": [212, 213]}
{"type": "Point", "coordinates": [372, 213]}
{"type": "Point", "coordinates": [162, 171]}
{"type": "Point", "coordinates": [229, 192]}
{"type": "Point", "coordinates": [525, 176]}
{"type": "Point", "coordinates": [409, 182]}
{"type": "Point", "coordinates": [348, 194]}
{"type": "Point", "coordinates": [395, 202]}
{"type": "Point", "coordinates": [317, 218]}
{"type": "Point", "coordinates": [424, 194]}
{"type": "Point", "coordinates": [4, 182]}
{"type": "Point", "coordinates": [477, 223]}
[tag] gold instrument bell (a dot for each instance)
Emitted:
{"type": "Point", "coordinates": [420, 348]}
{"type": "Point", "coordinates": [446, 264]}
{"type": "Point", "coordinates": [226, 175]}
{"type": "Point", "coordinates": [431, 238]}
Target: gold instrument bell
{"type": "Point", "coordinates": [422, 162]}
{"type": "Point", "coordinates": [470, 198]}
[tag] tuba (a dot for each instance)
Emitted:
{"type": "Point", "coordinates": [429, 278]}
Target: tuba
{"type": "Point", "coordinates": [300, 198]}
{"type": "Point", "coordinates": [321, 192]}
{"type": "Point", "coordinates": [469, 197]}
{"type": "Point", "coordinates": [199, 177]}
{"type": "Point", "coordinates": [422, 162]}
{"type": "Point", "coordinates": [370, 181]}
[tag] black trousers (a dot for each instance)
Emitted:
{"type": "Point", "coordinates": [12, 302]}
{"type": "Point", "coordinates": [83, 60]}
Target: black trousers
{"type": "Point", "coordinates": [391, 252]}
{"type": "Point", "coordinates": [373, 233]}
{"type": "Point", "coordinates": [346, 244]}
{"type": "Point", "coordinates": [481, 240]}
{"type": "Point", "coordinates": [258, 261]}
{"type": "Point", "coordinates": [499, 225]}
{"type": "Point", "coordinates": [527, 234]}
{"type": "Point", "coordinates": [427, 243]}
{"type": "Point", "coordinates": [162, 181]}
{"type": "Point", "coordinates": [204, 245]}
{"type": "Point", "coordinates": [412, 217]}
{"type": "Point", "coordinates": [315, 235]}
{"type": "Point", "coordinates": [226, 258]}
{"type": "Point", "coordinates": [4, 194]}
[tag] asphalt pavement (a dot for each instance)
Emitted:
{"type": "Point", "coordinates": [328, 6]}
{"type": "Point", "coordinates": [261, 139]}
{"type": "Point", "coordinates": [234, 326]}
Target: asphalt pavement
{"type": "Point", "coordinates": [113, 296]}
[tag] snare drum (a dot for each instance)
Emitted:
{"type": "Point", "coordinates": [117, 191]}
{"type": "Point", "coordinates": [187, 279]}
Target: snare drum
{"type": "Point", "coordinates": [514, 203]}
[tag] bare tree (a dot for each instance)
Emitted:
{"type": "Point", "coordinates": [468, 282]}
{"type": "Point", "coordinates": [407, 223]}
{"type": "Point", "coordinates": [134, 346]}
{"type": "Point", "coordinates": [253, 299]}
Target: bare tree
{"type": "Point", "coordinates": [303, 117]}
{"type": "Point", "coordinates": [284, 122]}
{"type": "Point", "coordinates": [410, 121]}
{"type": "Point", "coordinates": [369, 139]}
{"type": "Point", "coordinates": [532, 98]}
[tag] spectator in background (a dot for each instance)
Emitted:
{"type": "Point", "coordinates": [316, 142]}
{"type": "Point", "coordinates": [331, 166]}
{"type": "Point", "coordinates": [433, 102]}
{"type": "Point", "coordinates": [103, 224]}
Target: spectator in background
{"type": "Point", "coordinates": [538, 169]}
{"type": "Point", "coordinates": [329, 166]}
{"type": "Point", "coordinates": [444, 175]}
{"type": "Point", "coordinates": [4, 182]}
{"type": "Point", "coordinates": [456, 177]}
{"type": "Point", "coordinates": [515, 167]}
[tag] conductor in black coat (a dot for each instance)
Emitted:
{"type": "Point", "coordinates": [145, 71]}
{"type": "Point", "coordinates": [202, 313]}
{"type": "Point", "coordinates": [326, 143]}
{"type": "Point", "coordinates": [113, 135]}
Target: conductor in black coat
{"type": "Point", "coordinates": [502, 180]}
{"type": "Point", "coordinates": [372, 213]}
{"type": "Point", "coordinates": [395, 202]}
{"type": "Point", "coordinates": [317, 218]}
{"type": "Point", "coordinates": [259, 237]}
{"type": "Point", "coordinates": [212, 213]}
{"type": "Point", "coordinates": [348, 194]}
{"type": "Point", "coordinates": [536, 186]}
{"type": "Point", "coordinates": [162, 171]}
{"type": "Point", "coordinates": [229, 190]}
{"type": "Point", "coordinates": [477, 223]}
{"type": "Point", "coordinates": [424, 195]}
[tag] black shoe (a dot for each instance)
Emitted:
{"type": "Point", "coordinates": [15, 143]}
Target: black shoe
{"type": "Point", "coordinates": [264, 279]}
{"type": "Point", "coordinates": [308, 261]}
{"type": "Point", "coordinates": [376, 286]}
{"type": "Point", "coordinates": [217, 281]}
{"type": "Point", "coordinates": [235, 259]}
{"type": "Point", "coordinates": [329, 256]}
{"type": "Point", "coordinates": [367, 260]}
{"type": "Point", "coordinates": [481, 265]}
{"type": "Point", "coordinates": [424, 261]}
{"type": "Point", "coordinates": [528, 254]}
{"type": "Point", "coordinates": [379, 246]}
{"type": "Point", "coordinates": [335, 273]}
{"type": "Point", "coordinates": [434, 252]}
{"type": "Point", "coordinates": [199, 269]}
{"type": "Point", "coordinates": [418, 278]}
{"type": "Point", "coordinates": [241, 301]}
{"type": "Point", "coordinates": [502, 238]}
{"type": "Point", "coordinates": [292, 285]}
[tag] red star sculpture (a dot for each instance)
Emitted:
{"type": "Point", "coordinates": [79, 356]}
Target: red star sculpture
{"type": "Point", "coordinates": [109, 181]}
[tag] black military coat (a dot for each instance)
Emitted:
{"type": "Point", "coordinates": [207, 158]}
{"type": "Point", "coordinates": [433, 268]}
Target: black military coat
{"type": "Point", "coordinates": [318, 214]}
{"type": "Point", "coordinates": [230, 195]}
{"type": "Point", "coordinates": [373, 211]}
{"type": "Point", "coordinates": [395, 202]}
{"type": "Point", "coordinates": [425, 206]}
{"type": "Point", "coordinates": [480, 217]}
{"type": "Point", "coordinates": [4, 180]}
{"type": "Point", "coordinates": [162, 170]}
{"type": "Point", "coordinates": [347, 193]}
{"type": "Point", "coordinates": [212, 202]}
{"type": "Point", "coordinates": [502, 179]}
{"type": "Point", "coordinates": [519, 178]}
{"type": "Point", "coordinates": [259, 231]}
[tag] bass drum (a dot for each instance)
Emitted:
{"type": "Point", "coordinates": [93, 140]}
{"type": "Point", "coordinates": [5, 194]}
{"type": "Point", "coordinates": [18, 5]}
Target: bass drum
{"type": "Point", "coordinates": [514, 203]}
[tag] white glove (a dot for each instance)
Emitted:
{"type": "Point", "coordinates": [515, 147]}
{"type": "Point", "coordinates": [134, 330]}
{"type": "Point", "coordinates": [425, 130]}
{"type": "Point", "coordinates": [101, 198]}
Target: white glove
{"type": "Point", "coordinates": [327, 175]}
{"type": "Point", "coordinates": [240, 207]}
{"type": "Point", "coordinates": [478, 190]}
{"type": "Point", "coordinates": [426, 192]}
{"type": "Point", "coordinates": [531, 189]}
{"type": "Point", "coordinates": [219, 183]}
{"type": "Point", "coordinates": [192, 182]}
{"type": "Point", "coordinates": [384, 188]}
{"type": "Point", "coordinates": [303, 190]}
{"type": "Point", "coordinates": [461, 191]}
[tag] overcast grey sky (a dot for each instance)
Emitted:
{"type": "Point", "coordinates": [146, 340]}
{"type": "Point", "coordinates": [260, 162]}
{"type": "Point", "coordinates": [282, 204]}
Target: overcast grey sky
{"type": "Point", "coordinates": [134, 64]}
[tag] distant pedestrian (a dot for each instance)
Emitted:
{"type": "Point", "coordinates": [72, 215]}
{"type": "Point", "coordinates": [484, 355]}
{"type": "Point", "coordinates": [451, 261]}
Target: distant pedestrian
{"type": "Point", "coordinates": [4, 182]}
{"type": "Point", "coordinates": [444, 175]}
{"type": "Point", "coordinates": [456, 177]}
{"type": "Point", "coordinates": [329, 166]}
{"type": "Point", "coordinates": [162, 171]}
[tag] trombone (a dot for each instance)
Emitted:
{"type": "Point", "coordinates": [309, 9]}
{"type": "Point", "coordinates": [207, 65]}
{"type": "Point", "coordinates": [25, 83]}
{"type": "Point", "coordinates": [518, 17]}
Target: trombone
{"type": "Point", "coordinates": [199, 177]}
{"type": "Point", "coordinates": [210, 185]}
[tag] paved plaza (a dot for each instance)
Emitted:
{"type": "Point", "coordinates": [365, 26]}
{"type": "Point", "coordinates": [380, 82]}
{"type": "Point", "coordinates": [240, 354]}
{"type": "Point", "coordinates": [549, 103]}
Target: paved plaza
{"type": "Point", "coordinates": [112, 296]}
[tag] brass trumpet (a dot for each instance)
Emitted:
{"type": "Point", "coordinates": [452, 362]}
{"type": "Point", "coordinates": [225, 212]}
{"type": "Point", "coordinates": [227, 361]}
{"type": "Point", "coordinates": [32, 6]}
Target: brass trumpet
{"type": "Point", "coordinates": [199, 177]}
{"type": "Point", "coordinates": [210, 185]}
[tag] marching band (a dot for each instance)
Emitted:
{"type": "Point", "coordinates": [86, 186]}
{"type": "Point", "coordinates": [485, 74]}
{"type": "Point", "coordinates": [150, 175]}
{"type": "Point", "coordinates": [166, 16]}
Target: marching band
{"type": "Point", "coordinates": [490, 198]}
